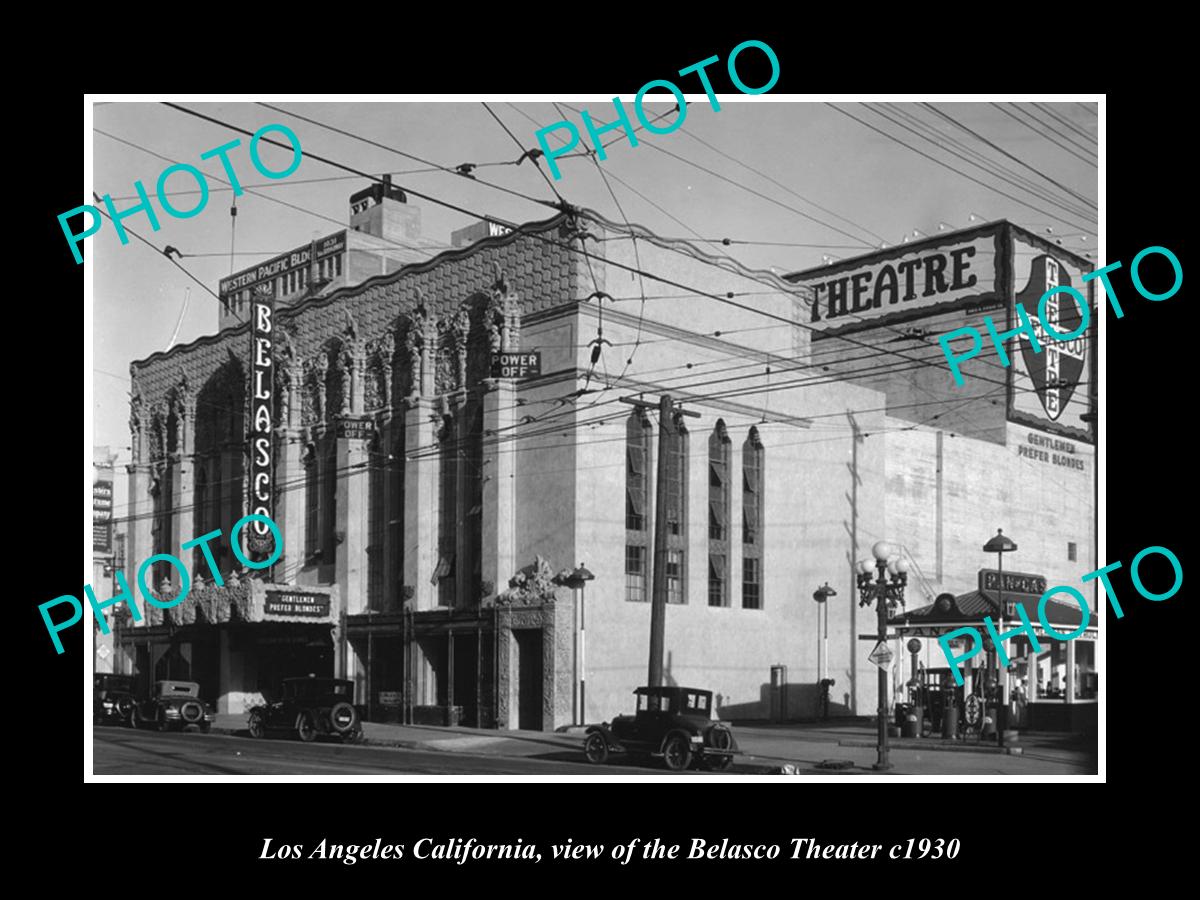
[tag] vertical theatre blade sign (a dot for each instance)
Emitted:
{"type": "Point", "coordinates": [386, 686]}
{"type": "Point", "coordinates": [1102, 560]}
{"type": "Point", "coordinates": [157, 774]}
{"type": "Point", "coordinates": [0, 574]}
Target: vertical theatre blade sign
{"type": "Point", "coordinates": [259, 540]}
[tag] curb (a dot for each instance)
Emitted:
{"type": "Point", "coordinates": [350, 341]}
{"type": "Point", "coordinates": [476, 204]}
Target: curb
{"type": "Point", "coordinates": [939, 746]}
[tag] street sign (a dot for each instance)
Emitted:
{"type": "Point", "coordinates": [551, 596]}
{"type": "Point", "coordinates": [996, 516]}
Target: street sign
{"type": "Point", "coordinates": [881, 655]}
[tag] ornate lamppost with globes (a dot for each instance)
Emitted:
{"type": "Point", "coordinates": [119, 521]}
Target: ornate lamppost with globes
{"type": "Point", "coordinates": [883, 582]}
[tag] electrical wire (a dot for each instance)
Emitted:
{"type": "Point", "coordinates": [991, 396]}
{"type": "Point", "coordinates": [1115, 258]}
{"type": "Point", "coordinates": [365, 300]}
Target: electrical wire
{"type": "Point", "coordinates": [945, 165]}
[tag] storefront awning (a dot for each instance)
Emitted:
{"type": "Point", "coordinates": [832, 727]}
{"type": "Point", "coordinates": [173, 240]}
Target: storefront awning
{"type": "Point", "coordinates": [945, 615]}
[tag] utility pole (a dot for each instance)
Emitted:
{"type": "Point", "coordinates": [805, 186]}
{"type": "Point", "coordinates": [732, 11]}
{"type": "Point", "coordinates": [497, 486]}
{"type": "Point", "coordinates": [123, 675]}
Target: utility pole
{"type": "Point", "coordinates": [855, 440]}
{"type": "Point", "coordinates": [667, 435]}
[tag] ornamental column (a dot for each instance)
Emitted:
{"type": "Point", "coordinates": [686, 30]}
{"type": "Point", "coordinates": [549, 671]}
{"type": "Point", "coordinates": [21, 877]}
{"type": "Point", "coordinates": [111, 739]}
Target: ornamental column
{"type": "Point", "coordinates": [352, 480]}
{"type": "Point", "coordinates": [290, 483]}
{"type": "Point", "coordinates": [422, 464]}
{"type": "Point", "coordinates": [140, 504]}
{"type": "Point", "coordinates": [184, 514]}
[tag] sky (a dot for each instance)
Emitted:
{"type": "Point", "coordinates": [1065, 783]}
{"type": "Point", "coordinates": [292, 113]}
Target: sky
{"type": "Point", "coordinates": [850, 187]}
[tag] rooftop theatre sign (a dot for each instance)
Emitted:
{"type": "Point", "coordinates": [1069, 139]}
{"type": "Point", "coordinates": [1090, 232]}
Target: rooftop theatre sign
{"type": "Point", "coordinates": [259, 540]}
{"type": "Point", "coordinates": [905, 283]}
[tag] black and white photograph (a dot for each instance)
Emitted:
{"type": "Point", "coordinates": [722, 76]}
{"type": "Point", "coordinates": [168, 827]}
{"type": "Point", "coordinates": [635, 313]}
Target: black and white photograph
{"type": "Point", "coordinates": [598, 439]}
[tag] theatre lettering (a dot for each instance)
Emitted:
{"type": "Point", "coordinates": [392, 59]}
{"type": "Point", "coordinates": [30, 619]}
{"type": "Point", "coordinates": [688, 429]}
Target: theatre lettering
{"type": "Point", "coordinates": [879, 287]}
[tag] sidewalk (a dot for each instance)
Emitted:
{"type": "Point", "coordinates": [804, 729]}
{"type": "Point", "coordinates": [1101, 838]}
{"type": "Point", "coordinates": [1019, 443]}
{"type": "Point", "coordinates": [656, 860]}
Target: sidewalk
{"type": "Point", "coordinates": [765, 748]}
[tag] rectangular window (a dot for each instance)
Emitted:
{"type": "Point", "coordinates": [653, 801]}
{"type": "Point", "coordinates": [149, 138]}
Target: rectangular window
{"type": "Point", "coordinates": [675, 576]}
{"type": "Point", "coordinates": [635, 574]}
{"type": "Point", "coordinates": [1086, 680]}
{"type": "Point", "coordinates": [1072, 553]}
{"type": "Point", "coordinates": [751, 588]}
{"type": "Point", "coordinates": [716, 581]}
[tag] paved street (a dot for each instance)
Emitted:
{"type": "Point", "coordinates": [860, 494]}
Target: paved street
{"type": "Point", "coordinates": [121, 751]}
{"type": "Point", "coordinates": [421, 750]}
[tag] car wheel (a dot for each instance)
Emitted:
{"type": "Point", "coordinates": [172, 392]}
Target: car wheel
{"type": "Point", "coordinates": [677, 753]}
{"type": "Point", "coordinates": [135, 719]}
{"type": "Point", "coordinates": [258, 727]}
{"type": "Point", "coordinates": [595, 748]}
{"type": "Point", "coordinates": [307, 728]}
{"type": "Point", "coordinates": [352, 737]}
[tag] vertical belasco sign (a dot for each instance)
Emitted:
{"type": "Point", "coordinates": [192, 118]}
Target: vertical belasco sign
{"type": "Point", "coordinates": [1054, 389]}
{"type": "Point", "coordinates": [259, 540]}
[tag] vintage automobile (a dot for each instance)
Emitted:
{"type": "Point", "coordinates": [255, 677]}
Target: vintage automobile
{"type": "Point", "coordinates": [672, 723]}
{"type": "Point", "coordinates": [173, 705]}
{"type": "Point", "coordinates": [310, 707]}
{"type": "Point", "coordinates": [112, 698]}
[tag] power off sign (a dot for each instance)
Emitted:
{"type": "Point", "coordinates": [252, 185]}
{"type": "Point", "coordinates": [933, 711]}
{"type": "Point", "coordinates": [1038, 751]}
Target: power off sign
{"type": "Point", "coordinates": [516, 365]}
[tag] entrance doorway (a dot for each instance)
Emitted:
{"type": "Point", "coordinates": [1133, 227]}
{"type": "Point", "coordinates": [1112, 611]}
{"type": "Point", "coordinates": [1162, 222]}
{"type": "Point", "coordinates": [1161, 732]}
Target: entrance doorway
{"type": "Point", "coordinates": [528, 646]}
{"type": "Point", "coordinates": [466, 674]}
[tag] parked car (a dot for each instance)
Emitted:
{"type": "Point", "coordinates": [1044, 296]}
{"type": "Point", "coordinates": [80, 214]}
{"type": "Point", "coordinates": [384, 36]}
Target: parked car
{"type": "Point", "coordinates": [310, 707]}
{"type": "Point", "coordinates": [112, 698]}
{"type": "Point", "coordinates": [671, 723]}
{"type": "Point", "coordinates": [173, 705]}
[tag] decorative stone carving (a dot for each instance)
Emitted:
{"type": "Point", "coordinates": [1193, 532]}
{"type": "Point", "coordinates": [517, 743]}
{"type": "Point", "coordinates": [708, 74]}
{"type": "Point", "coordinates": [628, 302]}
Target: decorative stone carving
{"type": "Point", "coordinates": [460, 329]}
{"type": "Point", "coordinates": [285, 376]}
{"type": "Point", "coordinates": [137, 423]}
{"type": "Point", "coordinates": [532, 585]}
{"type": "Point", "coordinates": [319, 371]}
{"type": "Point", "coordinates": [412, 348]}
{"type": "Point", "coordinates": [386, 351]}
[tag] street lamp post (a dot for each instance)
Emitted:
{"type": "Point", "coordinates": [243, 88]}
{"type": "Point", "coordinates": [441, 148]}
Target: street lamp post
{"type": "Point", "coordinates": [886, 591]}
{"type": "Point", "coordinates": [1000, 545]}
{"type": "Point", "coordinates": [577, 582]}
{"type": "Point", "coordinates": [821, 594]}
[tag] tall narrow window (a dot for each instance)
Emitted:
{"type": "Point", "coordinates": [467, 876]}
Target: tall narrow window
{"type": "Point", "coordinates": [676, 512]}
{"type": "Point", "coordinates": [330, 480]}
{"type": "Point", "coordinates": [637, 492]}
{"type": "Point", "coordinates": [377, 498]}
{"type": "Point", "coordinates": [448, 522]}
{"type": "Point", "coordinates": [312, 505]}
{"type": "Point", "coordinates": [752, 521]}
{"type": "Point", "coordinates": [718, 515]}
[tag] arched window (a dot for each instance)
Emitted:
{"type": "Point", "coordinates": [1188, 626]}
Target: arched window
{"type": "Point", "coordinates": [752, 521]}
{"type": "Point", "coordinates": [718, 515]}
{"type": "Point", "coordinates": [637, 495]}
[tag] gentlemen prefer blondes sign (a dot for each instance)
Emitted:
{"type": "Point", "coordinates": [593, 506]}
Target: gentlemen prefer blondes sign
{"type": "Point", "coordinates": [259, 539]}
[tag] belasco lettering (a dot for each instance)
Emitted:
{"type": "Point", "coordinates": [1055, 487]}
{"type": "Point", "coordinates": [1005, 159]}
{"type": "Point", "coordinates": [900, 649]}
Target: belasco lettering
{"type": "Point", "coordinates": [622, 120]}
{"type": "Point", "coordinates": [145, 206]}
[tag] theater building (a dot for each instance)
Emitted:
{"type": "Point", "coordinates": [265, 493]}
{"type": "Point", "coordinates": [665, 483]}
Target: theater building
{"type": "Point", "coordinates": [445, 441]}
